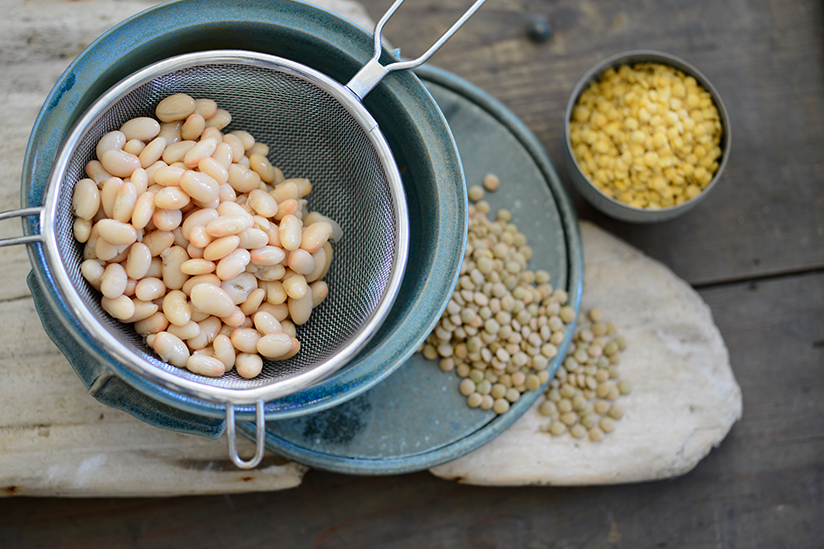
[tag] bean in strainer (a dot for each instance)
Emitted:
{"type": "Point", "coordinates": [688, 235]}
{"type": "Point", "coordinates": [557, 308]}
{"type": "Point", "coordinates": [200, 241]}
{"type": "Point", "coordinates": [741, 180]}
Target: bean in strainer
{"type": "Point", "coordinates": [316, 128]}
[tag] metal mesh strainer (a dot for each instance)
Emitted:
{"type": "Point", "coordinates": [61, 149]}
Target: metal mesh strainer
{"type": "Point", "coordinates": [315, 128]}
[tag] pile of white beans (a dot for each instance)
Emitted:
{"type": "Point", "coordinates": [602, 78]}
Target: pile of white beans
{"type": "Point", "coordinates": [195, 238]}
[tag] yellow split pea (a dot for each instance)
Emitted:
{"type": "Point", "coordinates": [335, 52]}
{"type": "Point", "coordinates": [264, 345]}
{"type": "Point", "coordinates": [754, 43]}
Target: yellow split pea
{"type": "Point", "coordinates": [647, 135]}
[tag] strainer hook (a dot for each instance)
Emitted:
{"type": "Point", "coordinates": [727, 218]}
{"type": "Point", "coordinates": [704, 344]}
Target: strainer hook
{"type": "Point", "coordinates": [373, 72]}
{"type": "Point", "coordinates": [260, 432]}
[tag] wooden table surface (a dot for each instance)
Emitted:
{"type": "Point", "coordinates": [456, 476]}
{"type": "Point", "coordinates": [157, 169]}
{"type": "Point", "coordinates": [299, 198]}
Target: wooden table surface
{"type": "Point", "coordinates": [754, 250]}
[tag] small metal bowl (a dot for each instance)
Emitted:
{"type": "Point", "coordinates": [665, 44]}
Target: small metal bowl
{"type": "Point", "coordinates": [595, 196]}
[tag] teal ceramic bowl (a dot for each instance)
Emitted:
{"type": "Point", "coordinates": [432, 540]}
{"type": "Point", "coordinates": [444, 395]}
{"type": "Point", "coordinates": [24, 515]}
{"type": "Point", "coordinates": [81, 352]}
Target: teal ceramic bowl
{"type": "Point", "coordinates": [411, 121]}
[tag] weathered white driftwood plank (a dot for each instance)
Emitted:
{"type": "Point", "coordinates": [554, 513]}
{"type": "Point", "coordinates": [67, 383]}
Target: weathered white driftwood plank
{"type": "Point", "coordinates": [684, 399]}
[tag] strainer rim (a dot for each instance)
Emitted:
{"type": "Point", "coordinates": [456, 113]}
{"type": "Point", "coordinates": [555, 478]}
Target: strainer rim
{"type": "Point", "coordinates": [120, 352]}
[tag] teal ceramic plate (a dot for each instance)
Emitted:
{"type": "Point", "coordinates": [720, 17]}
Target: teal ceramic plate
{"type": "Point", "coordinates": [416, 418]}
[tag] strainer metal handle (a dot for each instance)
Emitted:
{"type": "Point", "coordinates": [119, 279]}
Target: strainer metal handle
{"type": "Point", "coordinates": [373, 72]}
{"type": "Point", "coordinates": [25, 239]}
{"type": "Point", "coordinates": [260, 433]}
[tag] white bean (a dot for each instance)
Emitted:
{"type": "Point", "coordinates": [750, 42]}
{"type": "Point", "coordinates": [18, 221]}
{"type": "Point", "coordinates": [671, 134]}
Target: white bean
{"type": "Point", "coordinates": [226, 225]}
{"type": "Point", "coordinates": [167, 220]}
{"type": "Point", "coordinates": [202, 149]}
{"type": "Point", "coordinates": [197, 266]}
{"type": "Point", "coordinates": [176, 151]}
{"type": "Point", "coordinates": [213, 300]}
{"type": "Point", "coordinates": [96, 172]}
{"type": "Point", "coordinates": [176, 308]}
{"type": "Point", "coordinates": [139, 261]}
{"type": "Point", "coordinates": [170, 131]}
{"type": "Point", "coordinates": [86, 199]}
{"type": "Point", "coordinates": [149, 289]}
{"type": "Point", "coordinates": [199, 186]}
{"type": "Point", "coordinates": [193, 126]}
{"type": "Point", "coordinates": [262, 203]}
{"type": "Point", "coordinates": [315, 235]}
{"type": "Point", "coordinates": [188, 331]}
{"type": "Point", "coordinates": [314, 217]}
{"type": "Point", "coordinates": [159, 241]}
{"type": "Point", "coordinates": [205, 365]}
{"type": "Point", "coordinates": [198, 218]}
{"type": "Point", "coordinates": [221, 247]}
{"type": "Point", "coordinates": [140, 180]}
{"type": "Point", "coordinates": [205, 107]}
{"type": "Point", "coordinates": [173, 258]}
{"type": "Point", "coordinates": [249, 365]}
{"type": "Point", "coordinates": [224, 351]}
{"type": "Point", "coordinates": [301, 262]}
{"type": "Point", "coordinates": [143, 210]}
{"type": "Point", "coordinates": [120, 307]}
{"type": "Point", "coordinates": [253, 238]}
{"type": "Point", "coordinates": [275, 294]}
{"type": "Point", "coordinates": [171, 349]}
{"type": "Point", "coordinates": [119, 163]}
{"type": "Point", "coordinates": [143, 128]}
{"type": "Point", "coordinates": [289, 232]}
{"type": "Point", "coordinates": [171, 198]}
{"type": "Point", "coordinates": [253, 301]}
{"type": "Point", "coordinates": [92, 271]}
{"type": "Point", "coordinates": [152, 325]}
{"type": "Point", "coordinates": [116, 232]}
{"type": "Point", "coordinates": [242, 179]}
{"type": "Point", "coordinates": [213, 169]}
{"type": "Point", "coordinates": [274, 345]}
{"type": "Point", "coordinates": [295, 286]}
{"type": "Point", "coordinates": [111, 140]}
{"type": "Point", "coordinates": [108, 194]}
{"type": "Point", "coordinates": [142, 310]}
{"type": "Point", "coordinates": [152, 152]}
{"type": "Point", "coordinates": [175, 107]}
{"type": "Point", "coordinates": [267, 255]}
{"type": "Point", "coordinates": [288, 190]}
{"type": "Point", "coordinates": [240, 287]}
{"type": "Point", "coordinates": [301, 309]}
{"type": "Point", "coordinates": [168, 176]}
{"type": "Point", "coordinates": [245, 339]}
{"type": "Point", "coordinates": [82, 229]}
{"type": "Point", "coordinates": [261, 165]}
{"type": "Point", "coordinates": [223, 156]}
{"type": "Point", "coordinates": [233, 264]}
{"type": "Point", "coordinates": [320, 265]}
{"type": "Point", "coordinates": [200, 279]}
{"type": "Point", "coordinates": [220, 120]}
{"type": "Point", "coordinates": [319, 291]}
{"type": "Point", "coordinates": [266, 323]}
{"type": "Point", "coordinates": [134, 146]}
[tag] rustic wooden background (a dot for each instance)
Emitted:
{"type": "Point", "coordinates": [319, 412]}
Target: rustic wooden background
{"type": "Point", "coordinates": [754, 249]}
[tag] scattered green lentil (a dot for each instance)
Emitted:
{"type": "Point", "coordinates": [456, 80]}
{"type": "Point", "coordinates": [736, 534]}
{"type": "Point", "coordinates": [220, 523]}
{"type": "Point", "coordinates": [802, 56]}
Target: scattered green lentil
{"type": "Point", "coordinates": [581, 398]}
{"type": "Point", "coordinates": [491, 182]}
{"type": "Point", "coordinates": [475, 193]}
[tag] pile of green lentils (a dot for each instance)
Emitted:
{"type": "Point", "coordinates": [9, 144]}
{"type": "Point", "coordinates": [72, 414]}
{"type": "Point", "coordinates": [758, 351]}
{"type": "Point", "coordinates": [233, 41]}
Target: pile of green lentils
{"type": "Point", "coordinates": [581, 398]}
{"type": "Point", "coordinates": [504, 322]}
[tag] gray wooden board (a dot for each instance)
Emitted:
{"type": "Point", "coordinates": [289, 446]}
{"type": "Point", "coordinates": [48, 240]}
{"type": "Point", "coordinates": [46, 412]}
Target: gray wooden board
{"type": "Point", "coordinates": [766, 58]}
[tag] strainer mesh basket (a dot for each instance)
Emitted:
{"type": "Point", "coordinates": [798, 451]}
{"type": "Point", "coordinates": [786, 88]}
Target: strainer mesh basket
{"type": "Point", "coordinates": [310, 134]}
